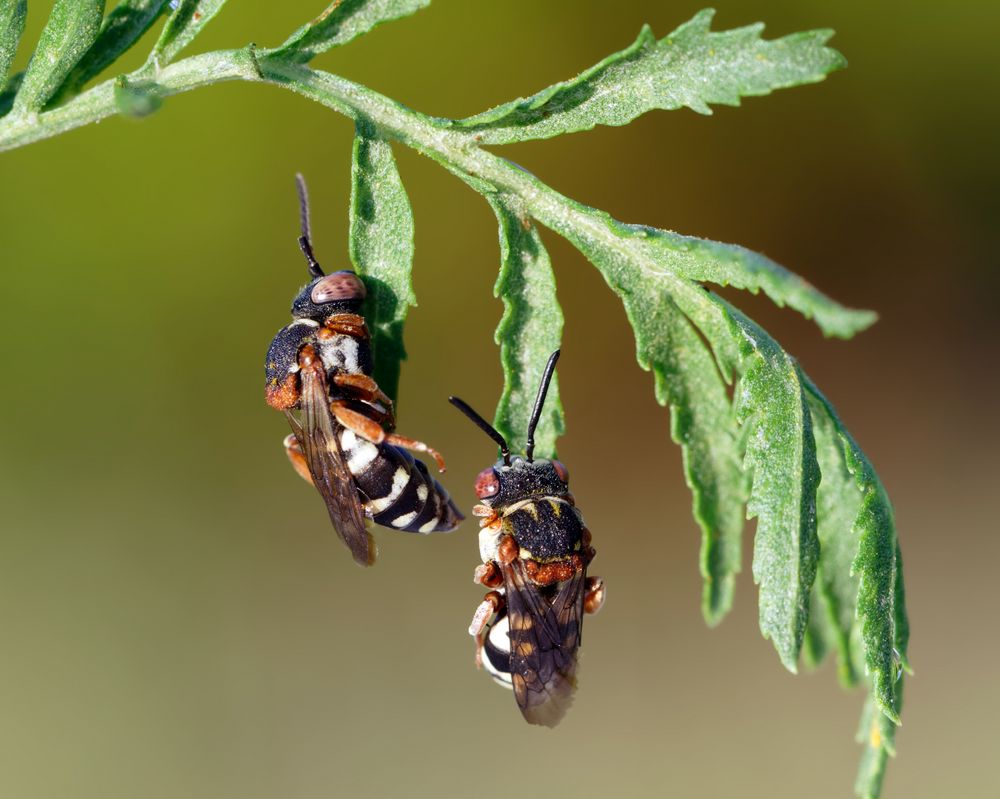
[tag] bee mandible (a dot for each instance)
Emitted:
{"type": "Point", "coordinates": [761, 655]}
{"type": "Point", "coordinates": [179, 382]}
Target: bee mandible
{"type": "Point", "coordinates": [535, 550]}
{"type": "Point", "coordinates": [318, 372]}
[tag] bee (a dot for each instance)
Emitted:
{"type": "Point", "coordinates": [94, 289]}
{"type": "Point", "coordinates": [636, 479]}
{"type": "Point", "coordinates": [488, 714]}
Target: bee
{"type": "Point", "coordinates": [318, 372]}
{"type": "Point", "coordinates": [535, 550]}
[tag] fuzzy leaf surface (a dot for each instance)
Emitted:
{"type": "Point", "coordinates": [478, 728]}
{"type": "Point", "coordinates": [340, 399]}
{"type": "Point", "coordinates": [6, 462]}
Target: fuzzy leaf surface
{"type": "Point", "coordinates": [780, 449]}
{"type": "Point", "coordinates": [71, 29]}
{"type": "Point", "coordinates": [781, 457]}
{"type": "Point", "coordinates": [381, 247]}
{"type": "Point", "coordinates": [122, 28]}
{"type": "Point", "coordinates": [188, 20]}
{"type": "Point", "coordinates": [704, 260]}
{"type": "Point", "coordinates": [692, 67]}
{"type": "Point", "coordinates": [12, 17]}
{"type": "Point", "coordinates": [341, 22]}
{"type": "Point", "coordinates": [703, 423]}
{"type": "Point", "coordinates": [838, 504]}
{"type": "Point", "coordinates": [736, 266]}
{"type": "Point", "coordinates": [661, 306]}
{"type": "Point", "coordinates": [874, 565]}
{"type": "Point", "coordinates": [529, 330]}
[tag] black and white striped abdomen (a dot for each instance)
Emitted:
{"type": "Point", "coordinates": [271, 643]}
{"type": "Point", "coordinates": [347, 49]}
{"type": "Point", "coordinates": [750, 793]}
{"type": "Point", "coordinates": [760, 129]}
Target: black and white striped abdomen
{"type": "Point", "coordinates": [496, 652]}
{"type": "Point", "coordinates": [397, 490]}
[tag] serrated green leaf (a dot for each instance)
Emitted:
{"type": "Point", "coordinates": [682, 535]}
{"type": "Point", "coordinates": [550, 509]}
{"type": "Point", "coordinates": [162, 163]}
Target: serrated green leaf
{"type": "Point", "coordinates": [703, 423]}
{"type": "Point", "coordinates": [691, 67]}
{"type": "Point", "coordinates": [781, 456]}
{"type": "Point", "coordinates": [122, 28]}
{"type": "Point", "coordinates": [12, 17]}
{"type": "Point", "coordinates": [732, 265]}
{"type": "Point", "coordinates": [188, 20]}
{"type": "Point", "coordinates": [341, 22]}
{"type": "Point", "coordinates": [656, 302]}
{"type": "Point", "coordinates": [780, 448]}
{"type": "Point", "coordinates": [696, 259]}
{"type": "Point", "coordinates": [381, 246]}
{"type": "Point", "coordinates": [874, 565]}
{"type": "Point", "coordinates": [736, 266]}
{"type": "Point", "coordinates": [71, 29]}
{"type": "Point", "coordinates": [529, 330]}
{"type": "Point", "coordinates": [877, 731]}
{"type": "Point", "coordinates": [838, 503]}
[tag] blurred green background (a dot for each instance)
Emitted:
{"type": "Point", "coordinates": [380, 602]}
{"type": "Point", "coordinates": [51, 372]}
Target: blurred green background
{"type": "Point", "coordinates": [177, 617]}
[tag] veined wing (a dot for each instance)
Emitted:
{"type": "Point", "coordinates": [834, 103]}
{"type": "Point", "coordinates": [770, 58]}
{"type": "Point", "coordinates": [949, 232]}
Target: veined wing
{"type": "Point", "coordinates": [544, 640]}
{"type": "Point", "coordinates": [318, 437]}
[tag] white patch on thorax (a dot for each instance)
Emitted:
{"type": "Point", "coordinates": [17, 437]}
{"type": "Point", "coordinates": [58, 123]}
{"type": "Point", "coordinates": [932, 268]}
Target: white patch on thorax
{"type": "Point", "coordinates": [488, 542]}
{"type": "Point", "coordinates": [340, 352]}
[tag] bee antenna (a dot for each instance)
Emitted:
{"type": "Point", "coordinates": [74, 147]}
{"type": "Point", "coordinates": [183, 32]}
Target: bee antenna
{"type": "Point", "coordinates": [483, 425]}
{"type": "Point", "coordinates": [536, 412]}
{"type": "Point", "coordinates": [305, 244]}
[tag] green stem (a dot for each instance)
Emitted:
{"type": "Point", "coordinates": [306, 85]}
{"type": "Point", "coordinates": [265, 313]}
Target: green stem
{"type": "Point", "coordinates": [456, 150]}
{"type": "Point", "coordinates": [460, 153]}
{"type": "Point", "coordinates": [98, 103]}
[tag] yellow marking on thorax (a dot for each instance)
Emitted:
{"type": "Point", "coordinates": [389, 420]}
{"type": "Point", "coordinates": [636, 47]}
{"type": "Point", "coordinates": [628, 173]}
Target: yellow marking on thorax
{"type": "Point", "coordinates": [529, 505]}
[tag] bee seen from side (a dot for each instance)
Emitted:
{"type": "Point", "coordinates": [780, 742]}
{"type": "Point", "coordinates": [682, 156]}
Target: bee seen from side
{"type": "Point", "coordinates": [318, 372]}
{"type": "Point", "coordinates": [535, 551]}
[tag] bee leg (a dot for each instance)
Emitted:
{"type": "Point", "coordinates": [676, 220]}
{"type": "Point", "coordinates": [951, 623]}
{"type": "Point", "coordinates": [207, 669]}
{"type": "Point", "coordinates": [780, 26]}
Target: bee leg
{"type": "Point", "coordinates": [419, 446]}
{"type": "Point", "coordinates": [362, 387]}
{"type": "Point", "coordinates": [492, 604]}
{"type": "Point", "coordinates": [298, 459]}
{"type": "Point", "coordinates": [488, 517]}
{"type": "Point", "coordinates": [488, 574]}
{"type": "Point", "coordinates": [507, 549]}
{"type": "Point", "coordinates": [593, 599]}
{"type": "Point", "coordinates": [346, 324]}
{"type": "Point", "coordinates": [372, 431]}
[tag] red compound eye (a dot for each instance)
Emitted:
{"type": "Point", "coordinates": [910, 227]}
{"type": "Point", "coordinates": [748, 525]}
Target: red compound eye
{"type": "Point", "coordinates": [561, 471]}
{"type": "Point", "coordinates": [487, 484]}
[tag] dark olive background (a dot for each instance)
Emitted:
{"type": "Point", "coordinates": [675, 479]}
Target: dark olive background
{"type": "Point", "coordinates": [177, 617]}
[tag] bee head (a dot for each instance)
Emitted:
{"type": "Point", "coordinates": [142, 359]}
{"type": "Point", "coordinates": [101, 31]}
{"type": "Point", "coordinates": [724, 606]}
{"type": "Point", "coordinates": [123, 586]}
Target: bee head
{"type": "Point", "coordinates": [324, 295]}
{"type": "Point", "coordinates": [505, 483]}
{"type": "Point", "coordinates": [515, 478]}
{"type": "Point", "coordinates": [338, 292]}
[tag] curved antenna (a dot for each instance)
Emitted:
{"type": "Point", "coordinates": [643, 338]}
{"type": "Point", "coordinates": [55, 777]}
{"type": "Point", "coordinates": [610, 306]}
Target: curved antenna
{"type": "Point", "coordinates": [305, 244]}
{"type": "Point", "coordinates": [483, 425]}
{"type": "Point", "coordinates": [536, 412]}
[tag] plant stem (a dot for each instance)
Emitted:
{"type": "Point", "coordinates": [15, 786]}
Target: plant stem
{"type": "Point", "coordinates": [458, 151]}
{"type": "Point", "coordinates": [99, 102]}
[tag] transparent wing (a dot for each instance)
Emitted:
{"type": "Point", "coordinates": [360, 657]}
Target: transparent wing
{"type": "Point", "coordinates": [320, 445]}
{"type": "Point", "coordinates": [544, 640]}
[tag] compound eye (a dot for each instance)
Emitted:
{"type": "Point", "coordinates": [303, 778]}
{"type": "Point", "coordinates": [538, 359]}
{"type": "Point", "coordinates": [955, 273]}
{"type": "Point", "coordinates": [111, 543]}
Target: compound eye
{"type": "Point", "coordinates": [343, 285]}
{"type": "Point", "coordinates": [487, 484]}
{"type": "Point", "coordinates": [562, 471]}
